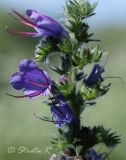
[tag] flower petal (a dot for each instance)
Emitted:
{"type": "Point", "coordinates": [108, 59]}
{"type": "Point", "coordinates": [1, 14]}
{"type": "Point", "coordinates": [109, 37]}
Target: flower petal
{"type": "Point", "coordinates": [46, 92]}
{"type": "Point", "coordinates": [31, 93]}
{"type": "Point", "coordinates": [45, 24]}
{"type": "Point", "coordinates": [16, 81]}
{"type": "Point", "coordinates": [38, 17]}
{"type": "Point", "coordinates": [34, 15]}
{"type": "Point", "coordinates": [26, 65]}
{"type": "Point", "coordinates": [53, 27]}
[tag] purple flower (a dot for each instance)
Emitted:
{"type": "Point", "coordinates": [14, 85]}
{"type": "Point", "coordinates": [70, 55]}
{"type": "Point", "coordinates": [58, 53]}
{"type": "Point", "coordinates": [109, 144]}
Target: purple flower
{"type": "Point", "coordinates": [31, 79]}
{"type": "Point", "coordinates": [93, 155]}
{"type": "Point", "coordinates": [63, 79]}
{"type": "Point", "coordinates": [62, 113]}
{"type": "Point", "coordinates": [42, 24]}
{"type": "Point", "coordinates": [95, 75]}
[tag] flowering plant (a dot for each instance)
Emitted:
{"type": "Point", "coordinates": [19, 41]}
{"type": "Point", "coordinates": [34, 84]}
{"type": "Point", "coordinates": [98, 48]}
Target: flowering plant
{"type": "Point", "coordinates": [75, 89]}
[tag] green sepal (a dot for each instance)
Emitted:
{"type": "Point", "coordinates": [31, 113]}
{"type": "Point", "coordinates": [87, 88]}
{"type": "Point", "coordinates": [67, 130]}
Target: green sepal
{"type": "Point", "coordinates": [67, 89]}
{"type": "Point", "coordinates": [44, 48]}
{"type": "Point", "coordinates": [94, 92]}
{"type": "Point", "coordinates": [63, 140]}
{"type": "Point", "coordinates": [42, 52]}
{"type": "Point", "coordinates": [59, 143]}
{"type": "Point", "coordinates": [96, 54]}
{"type": "Point", "coordinates": [76, 12]}
{"type": "Point", "coordinates": [67, 46]}
{"type": "Point", "coordinates": [85, 56]}
{"type": "Point", "coordinates": [80, 8]}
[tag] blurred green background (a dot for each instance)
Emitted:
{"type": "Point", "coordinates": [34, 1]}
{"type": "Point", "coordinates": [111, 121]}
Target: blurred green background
{"type": "Point", "coordinates": [18, 127]}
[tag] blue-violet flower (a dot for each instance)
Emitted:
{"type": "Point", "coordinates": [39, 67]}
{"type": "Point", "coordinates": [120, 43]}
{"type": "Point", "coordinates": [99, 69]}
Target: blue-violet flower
{"type": "Point", "coordinates": [93, 155]}
{"type": "Point", "coordinates": [95, 75]}
{"type": "Point", "coordinates": [42, 24]}
{"type": "Point", "coordinates": [62, 113]}
{"type": "Point", "coordinates": [33, 80]}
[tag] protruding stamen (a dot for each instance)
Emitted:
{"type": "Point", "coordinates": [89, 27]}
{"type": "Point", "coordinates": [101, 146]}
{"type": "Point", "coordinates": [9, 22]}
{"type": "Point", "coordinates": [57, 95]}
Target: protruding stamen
{"type": "Point", "coordinates": [22, 21]}
{"type": "Point", "coordinates": [42, 118]}
{"type": "Point", "coordinates": [22, 17]}
{"type": "Point", "coordinates": [120, 78]}
{"type": "Point", "coordinates": [26, 34]}
{"type": "Point", "coordinates": [28, 95]}
{"type": "Point", "coordinates": [16, 96]}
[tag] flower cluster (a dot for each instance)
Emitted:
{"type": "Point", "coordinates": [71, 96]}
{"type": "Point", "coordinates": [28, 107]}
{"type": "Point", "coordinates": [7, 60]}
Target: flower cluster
{"type": "Point", "coordinates": [36, 82]}
{"type": "Point", "coordinates": [72, 91]}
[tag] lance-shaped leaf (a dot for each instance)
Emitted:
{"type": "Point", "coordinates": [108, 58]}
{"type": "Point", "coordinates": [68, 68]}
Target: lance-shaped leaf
{"type": "Point", "coordinates": [92, 136]}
